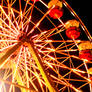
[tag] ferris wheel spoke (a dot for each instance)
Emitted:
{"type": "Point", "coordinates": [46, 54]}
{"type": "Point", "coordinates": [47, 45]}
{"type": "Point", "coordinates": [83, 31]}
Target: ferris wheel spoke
{"type": "Point", "coordinates": [26, 6]}
{"type": "Point", "coordinates": [73, 70]}
{"type": "Point", "coordinates": [47, 33]}
{"type": "Point", "coordinates": [6, 35]}
{"type": "Point", "coordinates": [15, 19]}
{"type": "Point", "coordinates": [7, 47]}
{"type": "Point", "coordinates": [43, 14]}
{"type": "Point", "coordinates": [38, 23]}
{"type": "Point", "coordinates": [30, 14]}
{"type": "Point", "coordinates": [26, 67]}
{"type": "Point", "coordinates": [8, 40]}
{"type": "Point", "coordinates": [40, 66]}
{"type": "Point", "coordinates": [26, 20]}
{"type": "Point", "coordinates": [7, 26]}
{"type": "Point", "coordinates": [12, 2]}
{"type": "Point", "coordinates": [8, 19]}
{"type": "Point", "coordinates": [66, 82]}
{"type": "Point", "coordinates": [15, 69]}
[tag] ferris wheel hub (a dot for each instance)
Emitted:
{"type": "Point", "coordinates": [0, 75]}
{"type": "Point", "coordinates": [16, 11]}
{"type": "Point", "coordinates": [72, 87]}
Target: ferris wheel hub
{"type": "Point", "coordinates": [23, 38]}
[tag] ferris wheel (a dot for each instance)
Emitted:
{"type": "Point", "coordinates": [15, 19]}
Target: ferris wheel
{"type": "Point", "coordinates": [44, 47]}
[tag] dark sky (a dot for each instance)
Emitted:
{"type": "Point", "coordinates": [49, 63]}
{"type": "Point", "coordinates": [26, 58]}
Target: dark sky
{"type": "Point", "coordinates": [84, 10]}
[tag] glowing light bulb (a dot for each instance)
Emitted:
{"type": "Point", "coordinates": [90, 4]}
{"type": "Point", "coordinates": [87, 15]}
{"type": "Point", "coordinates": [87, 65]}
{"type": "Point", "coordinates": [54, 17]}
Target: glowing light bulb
{"type": "Point", "coordinates": [56, 3]}
{"type": "Point", "coordinates": [85, 45]}
{"type": "Point", "coordinates": [73, 32]}
{"type": "Point", "coordinates": [56, 13]}
{"type": "Point", "coordinates": [71, 23]}
{"type": "Point", "coordinates": [85, 54]}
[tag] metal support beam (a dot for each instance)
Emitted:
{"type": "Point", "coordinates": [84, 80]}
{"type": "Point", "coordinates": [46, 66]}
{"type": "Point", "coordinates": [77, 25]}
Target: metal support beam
{"type": "Point", "coordinates": [39, 63]}
{"type": "Point", "coordinates": [3, 59]}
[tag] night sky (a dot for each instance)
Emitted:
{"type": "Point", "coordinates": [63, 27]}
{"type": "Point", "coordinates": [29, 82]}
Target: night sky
{"type": "Point", "coordinates": [83, 9]}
